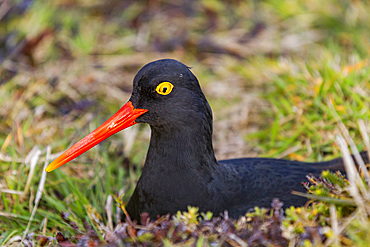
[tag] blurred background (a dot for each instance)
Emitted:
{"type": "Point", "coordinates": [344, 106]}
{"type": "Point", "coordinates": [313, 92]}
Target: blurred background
{"type": "Point", "coordinates": [274, 72]}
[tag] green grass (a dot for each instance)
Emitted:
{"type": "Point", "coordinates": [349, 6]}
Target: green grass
{"type": "Point", "coordinates": [301, 105]}
{"type": "Point", "coordinates": [81, 73]}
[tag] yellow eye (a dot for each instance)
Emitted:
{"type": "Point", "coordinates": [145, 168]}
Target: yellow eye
{"type": "Point", "coordinates": [164, 88]}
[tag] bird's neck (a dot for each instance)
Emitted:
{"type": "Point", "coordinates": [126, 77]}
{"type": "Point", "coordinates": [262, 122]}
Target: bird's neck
{"type": "Point", "coordinates": [180, 168]}
{"type": "Point", "coordinates": [185, 145]}
{"type": "Point", "coordinates": [186, 150]}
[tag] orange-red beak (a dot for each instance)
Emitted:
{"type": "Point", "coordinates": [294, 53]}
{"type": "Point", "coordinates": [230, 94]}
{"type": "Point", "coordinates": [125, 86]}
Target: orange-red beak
{"type": "Point", "coordinates": [122, 119]}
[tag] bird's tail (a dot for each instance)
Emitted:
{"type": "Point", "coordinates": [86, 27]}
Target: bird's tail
{"type": "Point", "coordinates": [338, 164]}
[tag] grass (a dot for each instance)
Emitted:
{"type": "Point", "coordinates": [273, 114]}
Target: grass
{"type": "Point", "coordinates": [271, 70]}
{"type": "Point", "coordinates": [308, 121]}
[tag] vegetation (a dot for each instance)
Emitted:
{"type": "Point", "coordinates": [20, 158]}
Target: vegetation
{"type": "Point", "coordinates": [282, 77]}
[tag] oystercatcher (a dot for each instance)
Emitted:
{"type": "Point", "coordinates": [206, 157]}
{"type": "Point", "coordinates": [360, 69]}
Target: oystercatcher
{"type": "Point", "coordinates": [180, 168]}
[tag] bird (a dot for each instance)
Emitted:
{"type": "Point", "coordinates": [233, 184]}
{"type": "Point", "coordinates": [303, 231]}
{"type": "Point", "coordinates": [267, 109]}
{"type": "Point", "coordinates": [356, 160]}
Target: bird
{"type": "Point", "coordinates": [180, 168]}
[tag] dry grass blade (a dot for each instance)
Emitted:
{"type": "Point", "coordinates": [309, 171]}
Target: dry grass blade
{"type": "Point", "coordinates": [8, 158]}
{"type": "Point", "coordinates": [237, 241]}
{"type": "Point", "coordinates": [352, 145]}
{"type": "Point", "coordinates": [289, 151]}
{"type": "Point", "coordinates": [39, 192]}
{"type": "Point", "coordinates": [364, 134]}
{"type": "Point", "coordinates": [34, 156]}
{"type": "Point", "coordinates": [353, 176]}
{"type": "Point", "coordinates": [45, 223]}
{"type": "Point", "coordinates": [129, 138]}
{"type": "Point", "coordinates": [99, 223]}
{"type": "Point", "coordinates": [108, 209]}
{"type": "Point", "coordinates": [15, 192]}
{"type": "Point", "coordinates": [334, 226]}
{"type": "Point", "coordinates": [341, 228]}
{"type": "Point", "coordinates": [8, 215]}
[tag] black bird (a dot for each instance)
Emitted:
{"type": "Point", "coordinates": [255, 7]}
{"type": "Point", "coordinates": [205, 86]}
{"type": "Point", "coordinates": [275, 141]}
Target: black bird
{"type": "Point", "coordinates": [180, 167]}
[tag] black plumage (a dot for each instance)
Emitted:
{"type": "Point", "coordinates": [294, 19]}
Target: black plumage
{"type": "Point", "coordinates": [180, 167]}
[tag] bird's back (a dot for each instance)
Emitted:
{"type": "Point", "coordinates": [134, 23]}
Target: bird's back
{"type": "Point", "coordinates": [254, 182]}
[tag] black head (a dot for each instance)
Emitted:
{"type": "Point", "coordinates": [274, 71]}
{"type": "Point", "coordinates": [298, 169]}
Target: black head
{"type": "Point", "coordinates": [181, 100]}
{"type": "Point", "coordinates": [167, 96]}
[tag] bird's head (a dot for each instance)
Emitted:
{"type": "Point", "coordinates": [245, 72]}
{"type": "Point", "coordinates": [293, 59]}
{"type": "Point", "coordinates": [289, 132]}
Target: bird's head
{"type": "Point", "coordinates": [165, 94]}
{"type": "Point", "coordinates": [170, 93]}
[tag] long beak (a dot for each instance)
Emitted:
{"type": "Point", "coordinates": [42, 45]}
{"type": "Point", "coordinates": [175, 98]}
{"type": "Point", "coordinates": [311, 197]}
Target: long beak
{"type": "Point", "coordinates": [122, 119]}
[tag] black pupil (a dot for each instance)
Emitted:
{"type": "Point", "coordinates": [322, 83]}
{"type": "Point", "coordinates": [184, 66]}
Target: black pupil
{"type": "Point", "coordinates": [164, 89]}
